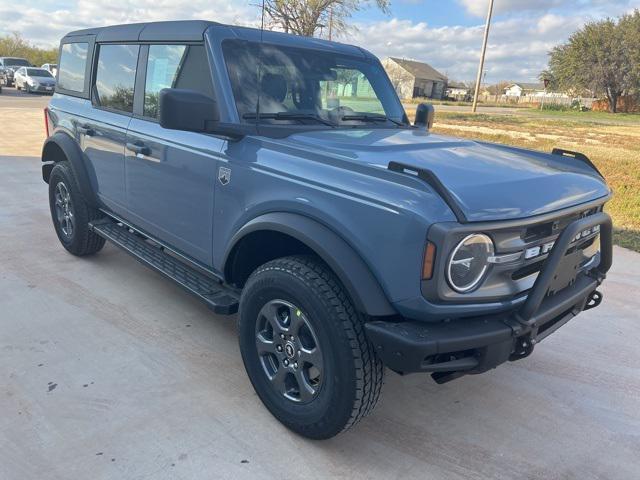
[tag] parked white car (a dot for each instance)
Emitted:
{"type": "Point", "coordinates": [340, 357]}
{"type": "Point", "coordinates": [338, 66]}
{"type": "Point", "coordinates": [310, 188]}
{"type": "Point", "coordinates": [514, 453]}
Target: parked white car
{"type": "Point", "coordinates": [32, 79]}
{"type": "Point", "coordinates": [51, 67]}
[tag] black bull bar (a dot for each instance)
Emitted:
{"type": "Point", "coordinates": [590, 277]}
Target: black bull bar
{"type": "Point", "coordinates": [461, 346]}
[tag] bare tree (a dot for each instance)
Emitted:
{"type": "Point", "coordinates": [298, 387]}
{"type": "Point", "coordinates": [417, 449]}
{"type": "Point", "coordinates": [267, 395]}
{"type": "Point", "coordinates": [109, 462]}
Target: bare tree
{"type": "Point", "coordinates": [306, 17]}
{"type": "Point", "coordinates": [15, 46]}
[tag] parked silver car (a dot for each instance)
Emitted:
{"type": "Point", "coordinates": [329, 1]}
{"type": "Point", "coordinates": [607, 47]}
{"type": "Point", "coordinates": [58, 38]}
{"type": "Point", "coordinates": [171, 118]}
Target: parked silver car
{"type": "Point", "coordinates": [31, 79]}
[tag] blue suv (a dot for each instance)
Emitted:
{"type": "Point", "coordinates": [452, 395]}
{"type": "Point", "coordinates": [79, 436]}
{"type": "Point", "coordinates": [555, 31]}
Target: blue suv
{"type": "Point", "coordinates": [278, 176]}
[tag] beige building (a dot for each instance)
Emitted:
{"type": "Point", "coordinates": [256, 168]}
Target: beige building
{"type": "Point", "coordinates": [415, 79]}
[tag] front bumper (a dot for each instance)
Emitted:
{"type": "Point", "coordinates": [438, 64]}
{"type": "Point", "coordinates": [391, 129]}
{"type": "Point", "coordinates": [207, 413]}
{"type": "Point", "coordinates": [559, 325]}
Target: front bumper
{"type": "Point", "coordinates": [456, 347]}
{"type": "Point", "coordinates": [43, 88]}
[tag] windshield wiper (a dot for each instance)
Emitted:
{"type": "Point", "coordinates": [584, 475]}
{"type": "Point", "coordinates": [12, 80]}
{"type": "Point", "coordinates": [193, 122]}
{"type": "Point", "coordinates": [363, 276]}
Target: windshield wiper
{"type": "Point", "coordinates": [371, 118]}
{"type": "Point", "coordinates": [289, 116]}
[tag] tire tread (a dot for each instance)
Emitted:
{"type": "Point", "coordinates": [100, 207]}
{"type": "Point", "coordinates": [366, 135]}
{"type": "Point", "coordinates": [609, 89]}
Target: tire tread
{"type": "Point", "coordinates": [369, 368]}
{"type": "Point", "coordinates": [88, 243]}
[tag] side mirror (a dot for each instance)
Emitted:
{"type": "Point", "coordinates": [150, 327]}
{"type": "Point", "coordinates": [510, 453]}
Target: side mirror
{"type": "Point", "coordinates": [425, 114]}
{"type": "Point", "coordinates": [187, 110]}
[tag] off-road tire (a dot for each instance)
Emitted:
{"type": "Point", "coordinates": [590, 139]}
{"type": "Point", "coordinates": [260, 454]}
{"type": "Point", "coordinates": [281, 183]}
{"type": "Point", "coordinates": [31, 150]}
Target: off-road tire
{"type": "Point", "coordinates": [353, 374]}
{"type": "Point", "coordinates": [82, 242]}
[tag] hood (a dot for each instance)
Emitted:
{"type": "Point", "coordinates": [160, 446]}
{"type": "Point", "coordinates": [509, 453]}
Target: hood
{"type": "Point", "coordinates": [45, 80]}
{"type": "Point", "coordinates": [489, 181]}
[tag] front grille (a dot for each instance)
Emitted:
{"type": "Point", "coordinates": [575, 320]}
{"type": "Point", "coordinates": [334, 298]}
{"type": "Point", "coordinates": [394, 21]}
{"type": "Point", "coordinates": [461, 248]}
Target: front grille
{"type": "Point", "coordinates": [527, 270]}
{"type": "Point", "coordinates": [544, 230]}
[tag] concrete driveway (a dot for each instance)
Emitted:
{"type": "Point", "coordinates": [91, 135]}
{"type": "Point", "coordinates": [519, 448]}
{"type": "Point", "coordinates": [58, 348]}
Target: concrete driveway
{"type": "Point", "coordinates": [109, 371]}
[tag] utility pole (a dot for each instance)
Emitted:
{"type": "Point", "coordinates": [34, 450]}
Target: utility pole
{"type": "Point", "coordinates": [484, 50]}
{"type": "Point", "coordinates": [330, 22]}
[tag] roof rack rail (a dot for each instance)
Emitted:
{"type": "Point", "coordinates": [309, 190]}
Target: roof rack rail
{"type": "Point", "coordinates": [578, 156]}
{"type": "Point", "coordinates": [431, 178]}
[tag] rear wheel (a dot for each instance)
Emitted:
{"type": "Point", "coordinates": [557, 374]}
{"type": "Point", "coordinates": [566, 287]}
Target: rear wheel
{"type": "Point", "coordinates": [71, 214]}
{"type": "Point", "coordinates": [304, 348]}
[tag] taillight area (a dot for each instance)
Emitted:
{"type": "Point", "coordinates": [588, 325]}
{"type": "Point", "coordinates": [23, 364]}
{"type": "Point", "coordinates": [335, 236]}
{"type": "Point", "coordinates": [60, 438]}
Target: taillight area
{"type": "Point", "coordinates": [46, 121]}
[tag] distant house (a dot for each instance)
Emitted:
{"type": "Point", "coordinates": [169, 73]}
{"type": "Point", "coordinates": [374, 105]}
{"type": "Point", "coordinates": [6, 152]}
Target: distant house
{"type": "Point", "coordinates": [457, 90]}
{"type": "Point", "coordinates": [415, 79]}
{"type": "Point", "coordinates": [521, 89]}
{"type": "Point", "coordinates": [531, 90]}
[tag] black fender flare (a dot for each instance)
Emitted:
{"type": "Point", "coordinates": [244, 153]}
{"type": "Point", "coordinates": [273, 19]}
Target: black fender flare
{"type": "Point", "coordinates": [362, 286]}
{"type": "Point", "coordinates": [71, 152]}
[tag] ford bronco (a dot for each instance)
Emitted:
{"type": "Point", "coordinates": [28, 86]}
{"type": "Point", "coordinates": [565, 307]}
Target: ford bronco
{"type": "Point", "coordinates": [279, 177]}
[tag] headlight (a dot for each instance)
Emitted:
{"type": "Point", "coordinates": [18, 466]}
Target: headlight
{"type": "Point", "coordinates": [469, 262]}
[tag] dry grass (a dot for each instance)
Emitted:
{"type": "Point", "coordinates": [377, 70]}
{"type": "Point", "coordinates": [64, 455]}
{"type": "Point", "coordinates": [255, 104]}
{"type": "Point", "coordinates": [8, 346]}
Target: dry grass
{"type": "Point", "coordinates": [612, 142]}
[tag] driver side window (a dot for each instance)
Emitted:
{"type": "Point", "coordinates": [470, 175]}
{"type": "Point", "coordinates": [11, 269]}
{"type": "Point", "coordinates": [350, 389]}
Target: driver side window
{"type": "Point", "coordinates": [351, 89]}
{"type": "Point", "coordinates": [175, 66]}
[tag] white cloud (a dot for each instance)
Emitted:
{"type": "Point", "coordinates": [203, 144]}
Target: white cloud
{"type": "Point", "coordinates": [45, 26]}
{"type": "Point", "coordinates": [479, 8]}
{"type": "Point", "coordinates": [518, 43]}
{"type": "Point", "coordinates": [580, 8]}
{"type": "Point", "coordinates": [517, 48]}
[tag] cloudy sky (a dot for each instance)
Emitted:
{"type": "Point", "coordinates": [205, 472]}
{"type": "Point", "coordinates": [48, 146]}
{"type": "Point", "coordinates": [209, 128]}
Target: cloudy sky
{"type": "Point", "coordinates": [444, 33]}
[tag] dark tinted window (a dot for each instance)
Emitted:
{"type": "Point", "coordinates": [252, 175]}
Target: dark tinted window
{"type": "Point", "coordinates": [175, 66]}
{"type": "Point", "coordinates": [16, 62]}
{"type": "Point", "coordinates": [73, 62]}
{"type": "Point", "coordinates": [38, 72]}
{"type": "Point", "coordinates": [328, 88]}
{"type": "Point", "coordinates": [116, 75]}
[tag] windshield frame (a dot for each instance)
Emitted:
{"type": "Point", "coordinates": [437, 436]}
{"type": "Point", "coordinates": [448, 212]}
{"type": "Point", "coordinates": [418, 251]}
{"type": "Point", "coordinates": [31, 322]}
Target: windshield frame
{"type": "Point", "coordinates": [388, 100]}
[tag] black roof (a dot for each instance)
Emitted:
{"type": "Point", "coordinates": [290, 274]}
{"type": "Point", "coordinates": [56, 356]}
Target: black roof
{"type": "Point", "coordinates": [193, 31]}
{"type": "Point", "coordinates": [178, 30]}
{"type": "Point", "coordinates": [420, 70]}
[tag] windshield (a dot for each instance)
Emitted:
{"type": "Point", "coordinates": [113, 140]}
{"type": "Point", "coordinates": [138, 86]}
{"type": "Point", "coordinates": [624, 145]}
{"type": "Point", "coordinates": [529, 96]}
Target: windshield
{"type": "Point", "coordinates": [303, 86]}
{"type": "Point", "coordinates": [38, 72]}
{"type": "Point", "coordinates": [16, 62]}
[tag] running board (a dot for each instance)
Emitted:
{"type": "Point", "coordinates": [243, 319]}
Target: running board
{"type": "Point", "coordinates": [220, 299]}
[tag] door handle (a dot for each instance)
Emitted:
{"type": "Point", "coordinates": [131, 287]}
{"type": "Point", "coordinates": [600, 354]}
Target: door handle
{"type": "Point", "coordinates": [86, 130]}
{"type": "Point", "coordinates": [138, 148]}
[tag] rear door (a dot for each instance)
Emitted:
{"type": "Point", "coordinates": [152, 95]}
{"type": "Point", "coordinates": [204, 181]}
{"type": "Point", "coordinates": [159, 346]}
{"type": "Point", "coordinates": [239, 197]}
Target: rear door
{"type": "Point", "coordinates": [170, 174]}
{"type": "Point", "coordinates": [103, 134]}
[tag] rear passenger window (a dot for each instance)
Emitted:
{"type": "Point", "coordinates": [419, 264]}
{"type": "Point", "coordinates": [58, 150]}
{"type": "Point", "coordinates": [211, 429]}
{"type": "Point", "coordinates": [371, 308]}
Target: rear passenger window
{"type": "Point", "coordinates": [73, 63]}
{"type": "Point", "coordinates": [175, 66]}
{"type": "Point", "coordinates": [116, 76]}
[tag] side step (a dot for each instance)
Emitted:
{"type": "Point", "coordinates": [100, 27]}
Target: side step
{"type": "Point", "coordinates": [220, 299]}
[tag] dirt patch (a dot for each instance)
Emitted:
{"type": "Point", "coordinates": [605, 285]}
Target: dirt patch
{"type": "Point", "coordinates": [486, 131]}
{"type": "Point", "coordinates": [21, 132]}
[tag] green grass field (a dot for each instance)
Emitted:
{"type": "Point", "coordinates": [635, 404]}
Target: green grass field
{"type": "Point", "coordinates": [612, 142]}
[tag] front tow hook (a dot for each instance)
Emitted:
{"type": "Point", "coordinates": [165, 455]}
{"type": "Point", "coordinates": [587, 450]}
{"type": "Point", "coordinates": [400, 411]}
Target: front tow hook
{"type": "Point", "coordinates": [594, 300]}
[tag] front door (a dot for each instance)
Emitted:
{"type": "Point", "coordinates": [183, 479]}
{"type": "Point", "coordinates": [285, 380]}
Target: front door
{"type": "Point", "coordinates": [171, 175]}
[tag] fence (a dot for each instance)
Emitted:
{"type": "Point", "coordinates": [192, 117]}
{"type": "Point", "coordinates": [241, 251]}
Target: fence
{"type": "Point", "coordinates": [536, 100]}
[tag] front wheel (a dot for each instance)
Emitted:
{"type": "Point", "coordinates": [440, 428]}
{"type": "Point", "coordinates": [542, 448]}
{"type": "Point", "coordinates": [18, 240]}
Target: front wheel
{"type": "Point", "coordinates": [71, 214]}
{"type": "Point", "coordinates": [304, 348]}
